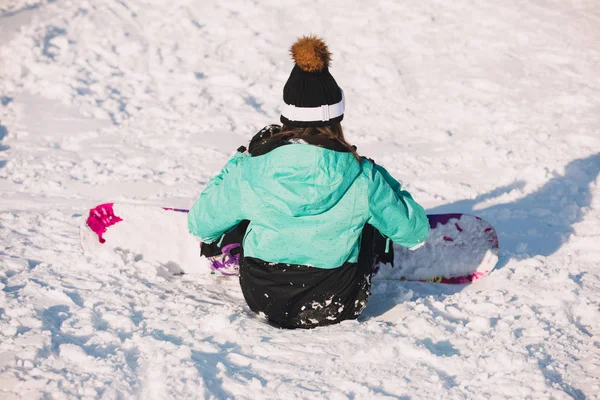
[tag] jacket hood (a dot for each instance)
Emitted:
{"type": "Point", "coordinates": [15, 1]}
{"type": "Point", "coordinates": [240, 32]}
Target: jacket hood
{"type": "Point", "coordinates": [301, 179]}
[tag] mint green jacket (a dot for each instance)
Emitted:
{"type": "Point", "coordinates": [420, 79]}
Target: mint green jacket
{"type": "Point", "coordinates": [306, 205]}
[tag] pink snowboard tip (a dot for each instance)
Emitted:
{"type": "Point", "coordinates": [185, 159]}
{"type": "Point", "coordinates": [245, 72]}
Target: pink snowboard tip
{"type": "Point", "coordinates": [100, 218]}
{"type": "Point", "coordinates": [461, 279]}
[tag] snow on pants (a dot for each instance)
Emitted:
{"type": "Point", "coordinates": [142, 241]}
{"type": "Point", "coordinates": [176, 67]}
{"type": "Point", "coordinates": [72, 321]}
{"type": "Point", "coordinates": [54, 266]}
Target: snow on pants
{"type": "Point", "coordinates": [299, 296]}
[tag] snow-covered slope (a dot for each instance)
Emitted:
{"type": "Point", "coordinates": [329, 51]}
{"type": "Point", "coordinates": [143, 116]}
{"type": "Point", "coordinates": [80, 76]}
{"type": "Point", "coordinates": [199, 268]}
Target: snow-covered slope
{"type": "Point", "coordinates": [490, 108]}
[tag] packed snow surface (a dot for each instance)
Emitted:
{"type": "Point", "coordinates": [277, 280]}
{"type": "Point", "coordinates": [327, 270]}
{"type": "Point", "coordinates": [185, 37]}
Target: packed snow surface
{"type": "Point", "coordinates": [487, 108]}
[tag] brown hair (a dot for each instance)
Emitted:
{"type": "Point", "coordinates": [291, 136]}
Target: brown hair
{"type": "Point", "coordinates": [333, 132]}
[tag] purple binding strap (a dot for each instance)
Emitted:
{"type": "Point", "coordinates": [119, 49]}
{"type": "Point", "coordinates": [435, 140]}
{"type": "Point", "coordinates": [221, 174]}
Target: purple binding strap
{"type": "Point", "coordinates": [227, 261]}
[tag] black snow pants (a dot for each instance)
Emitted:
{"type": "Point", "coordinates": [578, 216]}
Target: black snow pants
{"type": "Point", "coordinates": [299, 296]}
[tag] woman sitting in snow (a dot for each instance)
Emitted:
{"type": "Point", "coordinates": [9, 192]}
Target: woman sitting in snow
{"type": "Point", "coordinates": [308, 211]}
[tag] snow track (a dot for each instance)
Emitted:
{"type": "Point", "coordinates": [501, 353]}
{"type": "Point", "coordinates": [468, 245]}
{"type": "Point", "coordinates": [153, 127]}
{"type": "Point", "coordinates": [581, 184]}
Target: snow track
{"type": "Point", "coordinates": [491, 108]}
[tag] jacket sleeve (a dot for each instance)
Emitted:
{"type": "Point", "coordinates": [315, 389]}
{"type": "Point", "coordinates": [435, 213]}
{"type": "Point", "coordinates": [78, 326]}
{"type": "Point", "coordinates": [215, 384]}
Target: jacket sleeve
{"type": "Point", "coordinates": [218, 209]}
{"type": "Point", "coordinates": [393, 212]}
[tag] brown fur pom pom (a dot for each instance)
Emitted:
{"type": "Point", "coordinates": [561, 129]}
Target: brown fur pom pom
{"type": "Point", "coordinates": [311, 54]}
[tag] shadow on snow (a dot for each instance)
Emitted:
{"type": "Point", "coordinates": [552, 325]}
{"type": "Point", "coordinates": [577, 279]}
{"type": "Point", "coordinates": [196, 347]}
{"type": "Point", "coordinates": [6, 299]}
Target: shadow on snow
{"type": "Point", "coordinates": [4, 101]}
{"type": "Point", "coordinates": [535, 225]}
{"type": "Point", "coordinates": [539, 223]}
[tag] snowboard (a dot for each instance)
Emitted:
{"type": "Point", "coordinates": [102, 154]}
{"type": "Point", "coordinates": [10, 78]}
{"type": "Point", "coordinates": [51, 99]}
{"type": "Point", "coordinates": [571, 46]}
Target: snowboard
{"type": "Point", "coordinates": [460, 248]}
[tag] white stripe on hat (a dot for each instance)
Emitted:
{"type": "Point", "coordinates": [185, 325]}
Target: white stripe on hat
{"type": "Point", "coordinates": [310, 114]}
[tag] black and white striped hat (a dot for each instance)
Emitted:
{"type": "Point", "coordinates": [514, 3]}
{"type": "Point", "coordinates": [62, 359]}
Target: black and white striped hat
{"type": "Point", "coordinates": [311, 96]}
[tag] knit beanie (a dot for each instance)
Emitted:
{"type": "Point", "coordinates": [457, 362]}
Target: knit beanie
{"type": "Point", "coordinates": [311, 96]}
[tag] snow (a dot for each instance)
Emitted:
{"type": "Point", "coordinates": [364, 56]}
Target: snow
{"type": "Point", "coordinates": [488, 108]}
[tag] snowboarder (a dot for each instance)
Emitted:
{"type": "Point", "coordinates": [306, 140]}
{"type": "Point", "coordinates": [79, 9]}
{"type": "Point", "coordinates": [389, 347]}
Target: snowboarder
{"type": "Point", "coordinates": [312, 217]}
